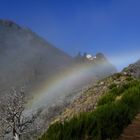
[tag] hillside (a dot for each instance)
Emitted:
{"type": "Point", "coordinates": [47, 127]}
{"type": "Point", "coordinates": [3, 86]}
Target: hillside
{"type": "Point", "coordinates": [26, 58]}
{"type": "Point", "coordinates": [102, 111]}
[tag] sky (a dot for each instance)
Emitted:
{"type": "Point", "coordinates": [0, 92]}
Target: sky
{"type": "Point", "coordinates": [108, 26]}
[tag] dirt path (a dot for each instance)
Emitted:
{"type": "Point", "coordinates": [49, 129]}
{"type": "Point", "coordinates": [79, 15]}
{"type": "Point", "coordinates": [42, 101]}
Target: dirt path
{"type": "Point", "coordinates": [132, 132]}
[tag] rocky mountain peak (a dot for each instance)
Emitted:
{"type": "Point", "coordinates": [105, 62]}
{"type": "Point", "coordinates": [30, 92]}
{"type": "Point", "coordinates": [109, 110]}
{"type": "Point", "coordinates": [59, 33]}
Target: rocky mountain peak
{"type": "Point", "coordinates": [90, 58]}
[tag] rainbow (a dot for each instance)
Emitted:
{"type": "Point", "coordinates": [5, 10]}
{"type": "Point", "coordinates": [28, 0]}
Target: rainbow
{"type": "Point", "coordinates": [60, 86]}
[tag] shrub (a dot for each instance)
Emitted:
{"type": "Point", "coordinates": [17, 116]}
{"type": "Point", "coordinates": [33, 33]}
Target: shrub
{"type": "Point", "coordinates": [112, 86]}
{"type": "Point", "coordinates": [118, 75]}
{"type": "Point", "coordinates": [129, 78]}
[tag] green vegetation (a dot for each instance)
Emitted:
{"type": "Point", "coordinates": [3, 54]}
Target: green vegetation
{"type": "Point", "coordinates": [115, 91]}
{"type": "Point", "coordinates": [117, 75]}
{"type": "Point", "coordinates": [112, 86]}
{"type": "Point", "coordinates": [115, 110]}
{"type": "Point", "coordinates": [129, 79]}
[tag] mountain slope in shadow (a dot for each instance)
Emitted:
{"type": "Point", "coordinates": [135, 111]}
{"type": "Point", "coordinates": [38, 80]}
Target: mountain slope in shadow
{"type": "Point", "coordinates": [26, 58]}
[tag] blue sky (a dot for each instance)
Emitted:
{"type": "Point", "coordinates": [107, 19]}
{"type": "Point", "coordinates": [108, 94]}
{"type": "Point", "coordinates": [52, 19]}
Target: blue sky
{"type": "Point", "coordinates": [108, 26]}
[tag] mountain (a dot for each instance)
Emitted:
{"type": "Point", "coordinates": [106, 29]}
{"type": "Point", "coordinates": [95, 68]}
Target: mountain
{"type": "Point", "coordinates": [29, 61]}
{"type": "Point", "coordinates": [103, 111]}
{"type": "Point", "coordinates": [25, 58]}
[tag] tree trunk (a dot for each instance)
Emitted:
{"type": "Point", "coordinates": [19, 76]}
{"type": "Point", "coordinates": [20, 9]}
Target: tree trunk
{"type": "Point", "coordinates": [16, 137]}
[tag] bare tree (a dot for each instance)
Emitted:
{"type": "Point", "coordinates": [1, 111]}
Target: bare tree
{"type": "Point", "coordinates": [14, 120]}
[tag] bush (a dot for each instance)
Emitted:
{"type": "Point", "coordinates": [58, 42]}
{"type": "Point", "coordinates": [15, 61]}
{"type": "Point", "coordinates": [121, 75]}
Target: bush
{"type": "Point", "coordinates": [118, 75]}
{"type": "Point", "coordinates": [129, 78]}
{"type": "Point", "coordinates": [112, 86]}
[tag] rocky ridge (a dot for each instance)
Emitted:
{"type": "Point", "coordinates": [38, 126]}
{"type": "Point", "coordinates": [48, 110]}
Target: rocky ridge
{"type": "Point", "coordinates": [133, 69]}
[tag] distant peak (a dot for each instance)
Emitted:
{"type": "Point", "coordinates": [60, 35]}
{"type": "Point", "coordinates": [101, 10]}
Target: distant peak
{"type": "Point", "coordinates": [9, 23]}
{"type": "Point", "coordinates": [85, 56]}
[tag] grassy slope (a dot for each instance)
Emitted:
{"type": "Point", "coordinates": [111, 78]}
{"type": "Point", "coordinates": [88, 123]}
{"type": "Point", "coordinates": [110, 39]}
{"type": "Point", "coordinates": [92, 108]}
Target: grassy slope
{"type": "Point", "coordinates": [115, 110]}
